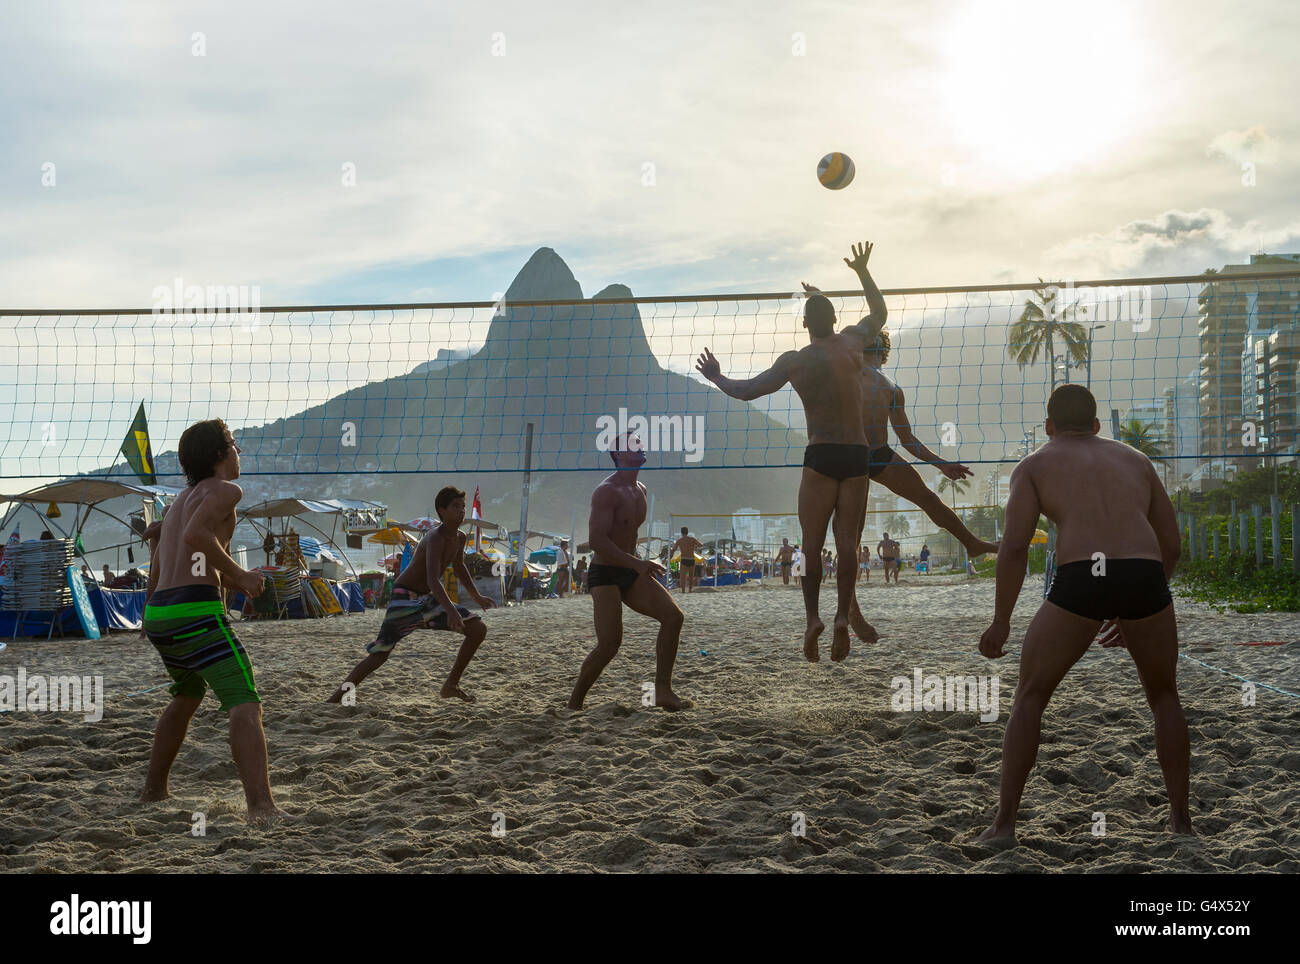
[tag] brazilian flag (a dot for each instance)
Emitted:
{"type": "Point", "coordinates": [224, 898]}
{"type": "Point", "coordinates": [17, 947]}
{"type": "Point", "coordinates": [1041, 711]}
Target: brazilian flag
{"type": "Point", "coordinates": [138, 452]}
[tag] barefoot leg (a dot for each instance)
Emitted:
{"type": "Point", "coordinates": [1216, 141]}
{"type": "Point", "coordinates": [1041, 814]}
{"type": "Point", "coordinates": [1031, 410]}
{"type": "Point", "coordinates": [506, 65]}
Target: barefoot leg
{"type": "Point", "coordinates": [817, 500]}
{"type": "Point", "coordinates": [849, 518]}
{"type": "Point", "coordinates": [1153, 644]}
{"type": "Point", "coordinates": [475, 632]}
{"type": "Point", "coordinates": [1055, 641]}
{"type": "Point", "coordinates": [167, 739]}
{"type": "Point", "coordinates": [362, 670]}
{"type": "Point", "coordinates": [607, 606]}
{"type": "Point", "coordinates": [248, 747]}
{"type": "Point", "coordinates": [649, 598]}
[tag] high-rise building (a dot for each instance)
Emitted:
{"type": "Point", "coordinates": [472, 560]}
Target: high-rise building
{"type": "Point", "coordinates": [1238, 314]}
{"type": "Point", "coordinates": [1182, 421]}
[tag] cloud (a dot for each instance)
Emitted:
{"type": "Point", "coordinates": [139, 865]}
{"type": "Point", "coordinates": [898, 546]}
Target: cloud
{"type": "Point", "coordinates": [1253, 145]}
{"type": "Point", "coordinates": [1174, 242]}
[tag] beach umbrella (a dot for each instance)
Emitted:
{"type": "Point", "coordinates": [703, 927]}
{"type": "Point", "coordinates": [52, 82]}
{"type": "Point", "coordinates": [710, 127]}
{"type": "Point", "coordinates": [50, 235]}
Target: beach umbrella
{"type": "Point", "coordinates": [1039, 539]}
{"type": "Point", "coordinates": [547, 555]}
{"type": "Point", "coordinates": [393, 537]}
{"type": "Point", "coordinates": [423, 524]}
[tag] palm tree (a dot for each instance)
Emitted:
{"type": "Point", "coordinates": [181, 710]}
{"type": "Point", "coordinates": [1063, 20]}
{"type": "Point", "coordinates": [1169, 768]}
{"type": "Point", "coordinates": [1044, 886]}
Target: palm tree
{"type": "Point", "coordinates": [1142, 436]}
{"type": "Point", "coordinates": [1041, 323]}
{"type": "Point", "coordinates": [955, 486]}
{"type": "Point", "coordinates": [899, 525]}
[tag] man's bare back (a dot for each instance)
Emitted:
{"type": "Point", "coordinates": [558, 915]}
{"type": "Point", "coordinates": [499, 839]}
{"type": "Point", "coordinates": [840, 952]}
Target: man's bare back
{"type": "Point", "coordinates": [1098, 492]}
{"type": "Point", "coordinates": [827, 377]}
{"type": "Point", "coordinates": [209, 503]}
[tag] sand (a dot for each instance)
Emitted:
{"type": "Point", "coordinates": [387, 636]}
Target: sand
{"type": "Point", "coordinates": [405, 781]}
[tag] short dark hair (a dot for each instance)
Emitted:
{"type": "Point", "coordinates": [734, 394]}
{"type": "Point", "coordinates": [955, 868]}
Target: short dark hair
{"type": "Point", "coordinates": [683, 530]}
{"type": "Point", "coordinates": [1072, 408]}
{"type": "Point", "coordinates": [446, 497]}
{"type": "Point", "coordinates": [819, 315]}
{"type": "Point", "coordinates": [880, 347]}
{"type": "Point", "coordinates": [202, 448]}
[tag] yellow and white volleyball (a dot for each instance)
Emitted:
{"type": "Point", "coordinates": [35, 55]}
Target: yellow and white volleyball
{"type": "Point", "coordinates": [835, 171]}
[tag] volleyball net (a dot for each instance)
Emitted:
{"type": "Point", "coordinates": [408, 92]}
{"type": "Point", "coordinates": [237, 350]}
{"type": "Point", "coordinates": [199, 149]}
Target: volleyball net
{"type": "Point", "coordinates": [1200, 372]}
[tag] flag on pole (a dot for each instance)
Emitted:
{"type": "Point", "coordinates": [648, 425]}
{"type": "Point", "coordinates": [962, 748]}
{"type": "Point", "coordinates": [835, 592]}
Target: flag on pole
{"type": "Point", "coordinates": [138, 452]}
{"type": "Point", "coordinates": [476, 512]}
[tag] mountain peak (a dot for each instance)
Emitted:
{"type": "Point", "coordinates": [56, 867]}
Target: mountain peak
{"type": "Point", "coordinates": [545, 277]}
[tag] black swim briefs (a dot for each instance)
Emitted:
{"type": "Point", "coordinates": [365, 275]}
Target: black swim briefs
{"type": "Point", "coordinates": [1131, 589]}
{"type": "Point", "coordinates": [602, 575]}
{"type": "Point", "coordinates": [837, 460]}
{"type": "Point", "coordinates": [879, 460]}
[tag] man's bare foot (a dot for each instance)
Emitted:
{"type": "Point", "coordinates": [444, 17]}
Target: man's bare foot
{"type": "Point", "coordinates": [268, 814]}
{"type": "Point", "coordinates": [448, 691]}
{"type": "Point", "coordinates": [863, 629]}
{"type": "Point", "coordinates": [998, 832]}
{"type": "Point", "coordinates": [810, 640]}
{"type": "Point", "coordinates": [153, 796]}
{"type": "Point", "coordinates": [1181, 823]}
{"type": "Point", "coordinates": [671, 701]}
{"type": "Point", "coordinates": [574, 704]}
{"type": "Point", "coordinates": [840, 641]}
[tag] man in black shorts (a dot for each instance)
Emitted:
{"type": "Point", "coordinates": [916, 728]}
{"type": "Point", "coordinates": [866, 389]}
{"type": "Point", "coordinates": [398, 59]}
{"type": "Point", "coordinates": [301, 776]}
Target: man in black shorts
{"type": "Point", "coordinates": [688, 546]}
{"type": "Point", "coordinates": [617, 577]}
{"type": "Point", "coordinates": [1118, 543]}
{"type": "Point", "coordinates": [826, 374]}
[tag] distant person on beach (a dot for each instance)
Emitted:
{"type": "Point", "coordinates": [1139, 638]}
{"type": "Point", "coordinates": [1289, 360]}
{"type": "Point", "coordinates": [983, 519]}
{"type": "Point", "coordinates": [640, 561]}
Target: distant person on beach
{"type": "Point", "coordinates": [864, 563]}
{"type": "Point", "coordinates": [888, 549]}
{"type": "Point", "coordinates": [187, 623]}
{"type": "Point", "coordinates": [785, 557]}
{"type": "Point", "coordinates": [688, 546]}
{"type": "Point", "coordinates": [108, 576]}
{"type": "Point", "coordinates": [580, 577]}
{"type": "Point", "coordinates": [827, 375]}
{"type": "Point", "coordinates": [1117, 544]}
{"type": "Point", "coordinates": [419, 600]}
{"type": "Point", "coordinates": [925, 557]}
{"type": "Point", "coordinates": [562, 563]}
{"type": "Point", "coordinates": [618, 577]}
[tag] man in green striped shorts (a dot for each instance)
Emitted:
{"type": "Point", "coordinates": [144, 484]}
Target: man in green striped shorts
{"type": "Point", "coordinates": [186, 621]}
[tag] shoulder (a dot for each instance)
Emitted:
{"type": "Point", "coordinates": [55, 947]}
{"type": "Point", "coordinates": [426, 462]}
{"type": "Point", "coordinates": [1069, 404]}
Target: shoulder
{"type": "Point", "coordinates": [219, 489]}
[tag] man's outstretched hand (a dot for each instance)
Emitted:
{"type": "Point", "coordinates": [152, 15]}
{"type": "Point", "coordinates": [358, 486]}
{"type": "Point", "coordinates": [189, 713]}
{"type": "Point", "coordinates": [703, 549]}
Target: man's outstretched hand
{"type": "Point", "coordinates": [954, 470]}
{"type": "Point", "coordinates": [708, 366]}
{"type": "Point", "coordinates": [861, 252]}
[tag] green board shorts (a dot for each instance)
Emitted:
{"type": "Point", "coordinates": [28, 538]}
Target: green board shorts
{"type": "Point", "coordinates": [189, 628]}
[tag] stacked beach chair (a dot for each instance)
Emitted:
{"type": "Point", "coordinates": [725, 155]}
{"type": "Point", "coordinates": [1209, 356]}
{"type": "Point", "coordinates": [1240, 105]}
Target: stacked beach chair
{"type": "Point", "coordinates": [38, 579]}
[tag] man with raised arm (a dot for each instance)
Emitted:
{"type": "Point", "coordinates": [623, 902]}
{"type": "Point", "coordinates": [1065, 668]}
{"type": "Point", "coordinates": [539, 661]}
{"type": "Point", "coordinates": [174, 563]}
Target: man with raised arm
{"type": "Point", "coordinates": [420, 600]}
{"type": "Point", "coordinates": [617, 577]}
{"type": "Point", "coordinates": [186, 620]}
{"type": "Point", "coordinates": [827, 375]}
{"type": "Point", "coordinates": [1117, 544]}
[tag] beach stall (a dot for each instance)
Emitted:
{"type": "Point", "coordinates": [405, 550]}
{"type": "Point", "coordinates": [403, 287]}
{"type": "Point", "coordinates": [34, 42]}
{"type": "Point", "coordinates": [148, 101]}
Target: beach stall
{"type": "Point", "coordinates": [105, 608]}
{"type": "Point", "coordinates": [312, 576]}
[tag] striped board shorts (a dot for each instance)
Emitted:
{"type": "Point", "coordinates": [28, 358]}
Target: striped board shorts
{"type": "Point", "coordinates": [189, 628]}
{"type": "Point", "coordinates": [408, 611]}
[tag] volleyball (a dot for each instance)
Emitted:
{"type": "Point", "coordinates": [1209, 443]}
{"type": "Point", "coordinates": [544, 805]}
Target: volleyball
{"type": "Point", "coordinates": [835, 171]}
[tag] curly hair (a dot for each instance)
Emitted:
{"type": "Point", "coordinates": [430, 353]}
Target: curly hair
{"type": "Point", "coordinates": [881, 347]}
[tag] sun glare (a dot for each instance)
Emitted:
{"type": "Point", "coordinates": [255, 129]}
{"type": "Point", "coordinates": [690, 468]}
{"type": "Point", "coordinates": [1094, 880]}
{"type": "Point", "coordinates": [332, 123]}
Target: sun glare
{"type": "Point", "coordinates": [1033, 88]}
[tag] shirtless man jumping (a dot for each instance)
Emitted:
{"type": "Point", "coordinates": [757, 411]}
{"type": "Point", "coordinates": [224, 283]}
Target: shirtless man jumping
{"type": "Point", "coordinates": [1118, 543]}
{"type": "Point", "coordinates": [187, 622]}
{"type": "Point", "coordinates": [420, 599]}
{"type": "Point", "coordinates": [827, 375]}
{"type": "Point", "coordinates": [617, 577]}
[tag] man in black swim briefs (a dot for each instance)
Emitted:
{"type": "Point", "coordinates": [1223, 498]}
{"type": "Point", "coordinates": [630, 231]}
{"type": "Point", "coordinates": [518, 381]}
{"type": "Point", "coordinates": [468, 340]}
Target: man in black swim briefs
{"type": "Point", "coordinates": [1117, 544]}
{"type": "Point", "coordinates": [617, 577]}
{"type": "Point", "coordinates": [826, 374]}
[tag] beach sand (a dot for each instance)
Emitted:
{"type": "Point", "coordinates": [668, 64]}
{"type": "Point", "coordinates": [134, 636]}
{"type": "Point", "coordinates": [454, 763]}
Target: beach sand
{"type": "Point", "coordinates": [405, 781]}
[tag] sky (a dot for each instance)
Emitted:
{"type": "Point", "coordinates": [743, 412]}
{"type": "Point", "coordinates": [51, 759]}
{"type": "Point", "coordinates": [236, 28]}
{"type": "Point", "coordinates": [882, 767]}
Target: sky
{"type": "Point", "coordinates": [993, 141]}
{"type": "Point", "coordinates": [335, 153]}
